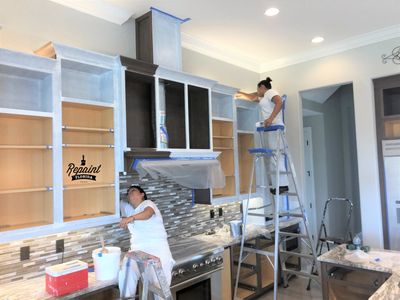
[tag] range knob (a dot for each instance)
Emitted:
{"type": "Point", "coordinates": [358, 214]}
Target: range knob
{"type": "Point", "coordinates": [175, 274]}
{"type": "Point", "coordinates": [213, 260]}
{"type": "Point", "coordinates": [219, 259]}
{"type": "Point", "coordinates": [207, 262]}
{"type": "Point", "coordinates": [181, 271]}
{"type": "Point", "coordinates": [195, 266]}
{"type": "Point", "coordinates": [201, 264]}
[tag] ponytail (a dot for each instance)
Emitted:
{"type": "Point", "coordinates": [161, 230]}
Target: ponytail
{"type": "Point", "coordinates": [266, 82]}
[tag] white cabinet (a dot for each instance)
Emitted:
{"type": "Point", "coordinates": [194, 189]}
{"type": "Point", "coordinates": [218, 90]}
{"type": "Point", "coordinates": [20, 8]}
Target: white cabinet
{"type": "Point", "coordinates": [60, 152]}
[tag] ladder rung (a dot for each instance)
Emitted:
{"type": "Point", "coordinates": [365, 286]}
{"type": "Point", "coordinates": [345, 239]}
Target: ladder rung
{"type": "Point", "coordinates": [259, 207]}
{"type": "Point", "coordinates": [291, 213]}
{"type": "Point", "coordinates": [247, 287]}
{"type": "Point", "coordinates": [245, 265]}
{"type": "Point", "coordinates": [297, 254]}
{"type": "Point", "coordinates": [291, 194]}
{"type": "Point", "coordinates": [300, 273]}
{"type": "Point", "coordinates": [292, 234]}
{"type": "Point", "coordinates": [257, 251]}
{"type": "Point", "coordinates": [256, 214]}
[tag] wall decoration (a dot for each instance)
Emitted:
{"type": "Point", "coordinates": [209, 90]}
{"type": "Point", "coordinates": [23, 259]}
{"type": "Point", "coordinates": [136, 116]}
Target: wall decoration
{"type": "Point", "coordinates": [394, 56]}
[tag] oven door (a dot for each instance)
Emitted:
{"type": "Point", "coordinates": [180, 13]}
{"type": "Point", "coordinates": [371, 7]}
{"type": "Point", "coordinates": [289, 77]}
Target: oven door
{"type": "Point", "coordinates": [206, 286]}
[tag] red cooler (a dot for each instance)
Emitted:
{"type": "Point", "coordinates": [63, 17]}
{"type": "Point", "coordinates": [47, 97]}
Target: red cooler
{"type": "Point", "coordinates": [66, 278]}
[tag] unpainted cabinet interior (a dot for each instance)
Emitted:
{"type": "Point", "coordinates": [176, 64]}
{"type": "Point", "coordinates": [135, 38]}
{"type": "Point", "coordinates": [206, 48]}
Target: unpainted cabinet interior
{"type": "Point", "coordinates": [245, 141]}
{"type": "Point", "coordinates": [199, 117]}
{"type": "Point", "coordinates": [223, 142]}
{"type": "Point", "coordinates": [26, 168]}
{"type": "Point", "coordinates": [88, 142]}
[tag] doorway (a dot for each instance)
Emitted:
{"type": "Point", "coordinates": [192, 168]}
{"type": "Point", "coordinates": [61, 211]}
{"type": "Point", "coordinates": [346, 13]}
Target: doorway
{"type": "Point", "coordinates": [331, 160]}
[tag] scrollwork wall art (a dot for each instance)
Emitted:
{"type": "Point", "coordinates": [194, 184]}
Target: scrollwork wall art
{"type": "Point", "coordinates": [394, 56]}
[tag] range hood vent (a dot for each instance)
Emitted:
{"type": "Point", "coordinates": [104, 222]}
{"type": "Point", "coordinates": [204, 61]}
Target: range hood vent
{"type": "Point", "coordinates": [158, 39]}
{"type": "Point", "coordinates": [190, 173]}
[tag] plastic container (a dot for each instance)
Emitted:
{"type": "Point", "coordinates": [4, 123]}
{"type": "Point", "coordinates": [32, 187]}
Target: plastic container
{"type": "Point", "coordinates": [236, 228]}
{"type": "Point", "coordinates": [106, 265]}
{"type": "Point", "coordinates": [66, 278]}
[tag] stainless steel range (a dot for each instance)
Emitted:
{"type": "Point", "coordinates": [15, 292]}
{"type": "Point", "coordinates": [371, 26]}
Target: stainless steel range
{"type": "Point", "coordinates": [197, 272]}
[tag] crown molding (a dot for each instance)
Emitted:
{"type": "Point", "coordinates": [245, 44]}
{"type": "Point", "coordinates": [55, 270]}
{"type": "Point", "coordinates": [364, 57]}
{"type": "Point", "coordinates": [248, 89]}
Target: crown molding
{"type": "Point", "coordinates": [338, 47]}
{"type": "Point", "coordinates": [194, 44]}
{"type": "Point", "coordinates": [101, 9]}
{"type": "Point", "coordinates": [248, 63]}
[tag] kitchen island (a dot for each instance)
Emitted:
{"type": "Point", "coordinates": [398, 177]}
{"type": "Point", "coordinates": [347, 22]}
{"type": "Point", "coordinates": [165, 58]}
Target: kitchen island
{"type": "Point", "coordinates": [346, 275]}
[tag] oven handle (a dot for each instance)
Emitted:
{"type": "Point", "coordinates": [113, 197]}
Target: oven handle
{"type": "Point", "coordinates": [195, 278]}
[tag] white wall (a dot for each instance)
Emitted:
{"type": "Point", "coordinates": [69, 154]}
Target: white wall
{"type": "Point", "coordinates": [27, 25]}
{"type": "Point", "coordinates": [224, 73]}
{"type": "Point", "coordinates": [358, 66]}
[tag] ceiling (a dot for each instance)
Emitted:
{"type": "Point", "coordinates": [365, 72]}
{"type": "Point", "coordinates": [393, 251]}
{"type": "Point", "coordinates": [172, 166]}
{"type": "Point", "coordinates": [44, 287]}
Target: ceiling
{"type": "Point", "coordinates": [238, 32]}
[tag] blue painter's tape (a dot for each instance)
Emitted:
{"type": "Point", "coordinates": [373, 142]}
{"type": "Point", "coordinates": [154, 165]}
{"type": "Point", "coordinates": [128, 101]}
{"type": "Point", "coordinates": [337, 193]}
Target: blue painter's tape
{"type": "Point", "coordinates": [169, 15]}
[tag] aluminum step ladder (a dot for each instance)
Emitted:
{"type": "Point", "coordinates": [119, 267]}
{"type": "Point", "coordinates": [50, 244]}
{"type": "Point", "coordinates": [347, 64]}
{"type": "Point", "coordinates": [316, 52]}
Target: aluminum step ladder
{"type": "Point", "coordinates": [280, 253]}
{"type": "Point", "coordinates": [147, 265]}
{"type": "Point", "coordinates": [328, 240]}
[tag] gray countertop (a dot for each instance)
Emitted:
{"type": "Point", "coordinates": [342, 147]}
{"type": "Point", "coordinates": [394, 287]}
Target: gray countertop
{"type": "Point", "coordinates": [377, 260]}
{"type": "Point", "coordinates": [34, 289]}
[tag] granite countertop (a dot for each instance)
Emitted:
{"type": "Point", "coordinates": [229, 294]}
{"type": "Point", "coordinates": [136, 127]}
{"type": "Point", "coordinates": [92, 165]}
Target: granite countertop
{"type": "Point", "coordinates": [223, 238]}
{"type": "Point", "coordinates": [35, 287]}
{"type": "Point", "coordinates": [377, 260]}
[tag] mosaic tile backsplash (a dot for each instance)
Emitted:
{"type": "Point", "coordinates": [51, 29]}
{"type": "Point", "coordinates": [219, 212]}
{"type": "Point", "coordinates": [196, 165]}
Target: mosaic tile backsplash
{"type": "Point", "coordinates": [181, 219]}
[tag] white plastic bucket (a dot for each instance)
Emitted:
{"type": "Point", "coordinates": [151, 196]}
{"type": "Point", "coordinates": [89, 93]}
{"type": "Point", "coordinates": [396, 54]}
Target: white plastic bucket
{"type": "Point", "coordinates": [106, 265]}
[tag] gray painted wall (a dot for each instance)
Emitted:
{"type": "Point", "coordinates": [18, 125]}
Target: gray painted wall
{"type": "Point", "coordinates": [335, 157]}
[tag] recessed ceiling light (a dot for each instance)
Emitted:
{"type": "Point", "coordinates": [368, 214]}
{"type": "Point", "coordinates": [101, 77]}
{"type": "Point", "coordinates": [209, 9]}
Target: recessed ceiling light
{"type": "Point", "coordinates": [317, 39]}
{"type": "Point", "coordinates": [270, 12]}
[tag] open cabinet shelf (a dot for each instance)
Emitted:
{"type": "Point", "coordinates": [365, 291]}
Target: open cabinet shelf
{"type": "Point", "coordinates": [89, 203]}
{"type": "Point", "coordinates": [245, 141]}
{"type": "Point", "coordinates": [35, 209]}
{"type": "Point", "coordinates": [86, 81]}
{"type": "Point", "coordinates": [223, 142]}
{"type": "Point", "coordinates": [88, 161]}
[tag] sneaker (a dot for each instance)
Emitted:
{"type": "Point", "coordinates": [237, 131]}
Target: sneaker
{"type": "Point", "coordinates": [282, 190]}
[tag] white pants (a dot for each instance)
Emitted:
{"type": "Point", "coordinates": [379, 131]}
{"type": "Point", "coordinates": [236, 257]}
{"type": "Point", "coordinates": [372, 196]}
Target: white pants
{"type": "Point", "coordinates": [128, 278]}
{"type": "Point", "coordinates": [270, 140]}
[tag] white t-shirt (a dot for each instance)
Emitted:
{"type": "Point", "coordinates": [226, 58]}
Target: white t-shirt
{"type": "Point", "coordinates": [148, 233]}
{"type": "Point", "coordinates": [267, 106]}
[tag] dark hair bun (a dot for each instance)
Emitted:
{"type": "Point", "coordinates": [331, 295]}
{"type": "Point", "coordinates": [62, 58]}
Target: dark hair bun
{"type": "Point", "coordinates": [268, 79]}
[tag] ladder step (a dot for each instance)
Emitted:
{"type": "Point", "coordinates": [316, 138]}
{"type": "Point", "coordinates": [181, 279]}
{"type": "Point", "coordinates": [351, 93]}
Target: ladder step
{"type": "Point", "coordinates": [300, 273]}
{"type": "Point", "coordinates": [256, 214]}
{"type": "Point", "coordinates": [245, 265]}
{"type": "Point", "coordinates": [249, 274]}
{"type": "Point", "coordinates": [297, 254]}
{"type": "Point", "coordinates": [257, 251]}
{"type": "Point", "coordinates": [291, 213]}
{"type": "Point", "coordinates": [292, 234]}
{"type": "Point", "coordinates": [247, 287]}
{"type": "Point", "coordinates": [259, 207]}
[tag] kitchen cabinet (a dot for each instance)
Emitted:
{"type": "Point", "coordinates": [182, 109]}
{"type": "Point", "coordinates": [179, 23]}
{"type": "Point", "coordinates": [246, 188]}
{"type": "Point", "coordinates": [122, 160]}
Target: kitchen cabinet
{"type": "Point", "coordinates": [140, 104]}
{"type": "Point", "coordinates": [61, 146]}
{"type": "Point", "coordinates": [184, 106]}
{"type": "Point", "coordinates": [26, 144]}
{"type": "Point", "coordinates": [345, 282]}
{"type": "Point", "coordinates": [247, 116]}
{"type": "Point", "coordinates": [225, 140]}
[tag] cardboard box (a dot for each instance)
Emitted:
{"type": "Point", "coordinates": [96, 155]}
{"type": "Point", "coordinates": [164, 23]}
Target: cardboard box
{"type": "Point", "coordinates": [66, 278]}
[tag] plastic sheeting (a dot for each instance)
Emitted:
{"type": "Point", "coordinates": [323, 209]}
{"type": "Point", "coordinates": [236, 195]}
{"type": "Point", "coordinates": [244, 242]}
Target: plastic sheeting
{"type": "Point", "coordinates": [194, 174]}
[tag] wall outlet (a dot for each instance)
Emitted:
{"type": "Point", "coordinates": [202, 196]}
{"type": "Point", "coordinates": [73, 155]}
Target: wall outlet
{"type": "Point", "coordinates": [59, 246]}
{"type": "Point", "coordinates": [220, 212]}
{"type": "Point", "coordinates": [212, 214]}
{"type": "Point", "coordinates": [24, 253]}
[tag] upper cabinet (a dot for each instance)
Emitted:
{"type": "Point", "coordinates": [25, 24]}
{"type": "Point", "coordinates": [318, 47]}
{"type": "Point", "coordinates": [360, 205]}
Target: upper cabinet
{"type": "Point", "coordinates": [27, 89]}
{"type": "Point", "coordinates": [62, 140]}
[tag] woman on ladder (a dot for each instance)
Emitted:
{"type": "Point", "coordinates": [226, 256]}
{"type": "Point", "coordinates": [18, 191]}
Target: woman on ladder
{"type": "Point", "coordinates": [271, 109]}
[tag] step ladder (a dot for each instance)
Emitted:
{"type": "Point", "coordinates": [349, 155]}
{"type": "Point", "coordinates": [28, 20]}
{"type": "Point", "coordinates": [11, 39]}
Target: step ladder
{"type": "Point", "coordinates": [148, 266]}
{"type": "Point", "coordinates": [280, 253]}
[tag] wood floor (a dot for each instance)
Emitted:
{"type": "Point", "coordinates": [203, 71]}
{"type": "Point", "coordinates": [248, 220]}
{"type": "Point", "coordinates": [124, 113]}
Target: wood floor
{"type": "Point", "coordinates": [296, 290]}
